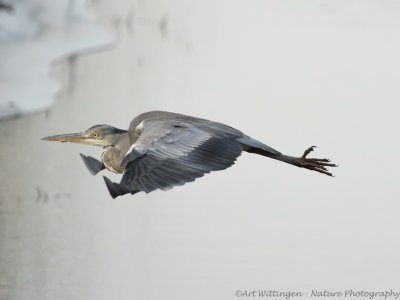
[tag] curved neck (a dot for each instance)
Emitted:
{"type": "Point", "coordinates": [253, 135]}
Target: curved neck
{"type": "Point", "coordinates": [114, 154]}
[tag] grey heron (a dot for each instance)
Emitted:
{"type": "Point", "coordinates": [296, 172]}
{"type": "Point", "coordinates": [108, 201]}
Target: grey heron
{"type": "Point", "coordinates": [161, 150]}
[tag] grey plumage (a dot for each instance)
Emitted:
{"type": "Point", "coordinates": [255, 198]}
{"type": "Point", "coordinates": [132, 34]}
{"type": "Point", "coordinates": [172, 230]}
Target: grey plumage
{"type": "Point", "coordinates": [161, 150]}
{"type": "Point", "coordinates": [93, 165]}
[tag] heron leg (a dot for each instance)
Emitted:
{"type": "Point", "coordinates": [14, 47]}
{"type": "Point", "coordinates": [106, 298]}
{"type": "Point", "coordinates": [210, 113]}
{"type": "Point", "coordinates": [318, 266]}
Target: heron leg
{"type": "Point", "coordinates": [314, 164]}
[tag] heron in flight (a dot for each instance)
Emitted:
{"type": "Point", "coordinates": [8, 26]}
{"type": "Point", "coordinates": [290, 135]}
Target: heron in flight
{"type": "Point", "coordinates": [161, 150]}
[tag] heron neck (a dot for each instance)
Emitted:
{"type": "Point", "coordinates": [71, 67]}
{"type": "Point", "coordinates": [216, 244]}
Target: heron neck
{"type": "Point", "coordinates": [114, 154]}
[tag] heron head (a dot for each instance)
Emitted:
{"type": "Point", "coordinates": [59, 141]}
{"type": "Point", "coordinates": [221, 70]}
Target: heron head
{"type": "Point", "coordinates": [98, 135]}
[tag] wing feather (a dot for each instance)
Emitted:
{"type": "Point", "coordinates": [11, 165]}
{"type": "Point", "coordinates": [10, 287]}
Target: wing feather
{"type": "Point", "coordinates": [168, 155]}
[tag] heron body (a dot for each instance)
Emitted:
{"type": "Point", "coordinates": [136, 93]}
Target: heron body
{"type": "Point", "coordinates": [161, 150]}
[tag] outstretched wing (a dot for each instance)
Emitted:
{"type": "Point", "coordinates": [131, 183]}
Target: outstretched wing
{"type": "Point", "coordinates": [170, 154]}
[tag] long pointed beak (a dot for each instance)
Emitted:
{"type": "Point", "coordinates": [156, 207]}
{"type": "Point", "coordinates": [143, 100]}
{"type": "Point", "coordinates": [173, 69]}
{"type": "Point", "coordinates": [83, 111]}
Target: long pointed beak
{"type": "Point", "coordinates": [80, 137]}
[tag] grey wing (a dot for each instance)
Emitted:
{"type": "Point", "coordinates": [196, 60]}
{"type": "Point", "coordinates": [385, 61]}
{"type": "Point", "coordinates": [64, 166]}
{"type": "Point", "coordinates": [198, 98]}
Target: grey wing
{"type": "Point", "coordinates": [117, 189]}
{"type": "Point", "coordinates": [93, 165]}
{"type": "Point", "coordinates": [168, 155]}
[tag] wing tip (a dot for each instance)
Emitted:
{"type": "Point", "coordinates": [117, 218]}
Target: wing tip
{"type": "Point", "coordinates": [93, 165]}
{"type": "Point", "coordinates": [116, 189]}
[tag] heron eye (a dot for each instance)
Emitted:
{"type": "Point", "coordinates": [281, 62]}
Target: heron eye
{"type": "Point", "coordinates": [95, 135]}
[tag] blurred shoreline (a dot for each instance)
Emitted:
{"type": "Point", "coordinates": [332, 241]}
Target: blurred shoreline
{"type": "Point", "coordinates": [33, 36]}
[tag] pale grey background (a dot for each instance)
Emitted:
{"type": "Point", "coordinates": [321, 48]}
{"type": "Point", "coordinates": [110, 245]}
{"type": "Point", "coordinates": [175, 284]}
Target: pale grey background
{"type": "Point", "coordinates": [290, 73]}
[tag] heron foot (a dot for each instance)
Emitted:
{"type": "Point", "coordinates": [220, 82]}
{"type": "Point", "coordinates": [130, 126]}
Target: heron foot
{"type": "Point", "coordinates": [315, 164]}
